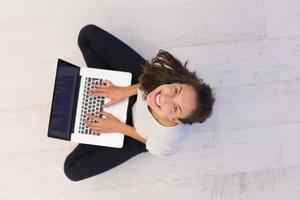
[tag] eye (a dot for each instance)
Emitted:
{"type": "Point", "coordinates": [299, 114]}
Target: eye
{"type": "Point", "coordinates": [175, 92]}
{"type": "Point", "coordinates": [175, 108]}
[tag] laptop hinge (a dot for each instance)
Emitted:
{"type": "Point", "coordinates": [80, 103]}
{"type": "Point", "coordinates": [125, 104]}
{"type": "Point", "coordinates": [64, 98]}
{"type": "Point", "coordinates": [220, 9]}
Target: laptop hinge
{"type": "Point", "coordinates": [75, 103]}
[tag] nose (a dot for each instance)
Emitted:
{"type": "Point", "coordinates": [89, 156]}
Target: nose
{"type": "Point", "coordinates": [168, 99]}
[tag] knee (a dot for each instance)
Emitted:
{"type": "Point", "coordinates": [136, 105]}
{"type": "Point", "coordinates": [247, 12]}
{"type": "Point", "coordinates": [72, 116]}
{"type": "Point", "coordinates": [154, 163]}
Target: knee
{"type": "Point", "coordinates": [70, 171]}
{"type": "Point", "coordinates": [85, 33]}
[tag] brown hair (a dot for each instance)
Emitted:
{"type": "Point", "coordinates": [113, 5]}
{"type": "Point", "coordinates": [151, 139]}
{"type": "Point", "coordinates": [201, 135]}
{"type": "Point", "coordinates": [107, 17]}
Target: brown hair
{"type": "Point", "coordinates": [166, 69]}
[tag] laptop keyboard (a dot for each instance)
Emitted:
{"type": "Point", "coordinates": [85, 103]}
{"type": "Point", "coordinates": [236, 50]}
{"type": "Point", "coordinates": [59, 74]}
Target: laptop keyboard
{"type": "Point", "coordinates": [90, 105]}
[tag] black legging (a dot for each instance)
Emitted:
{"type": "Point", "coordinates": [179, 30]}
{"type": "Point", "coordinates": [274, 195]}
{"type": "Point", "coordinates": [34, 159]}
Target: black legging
{"type": "Point", "coordinates": [102, 50]}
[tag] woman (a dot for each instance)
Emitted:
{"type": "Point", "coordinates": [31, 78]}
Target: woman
{"type": "Point", "coordinates": [164, 100]}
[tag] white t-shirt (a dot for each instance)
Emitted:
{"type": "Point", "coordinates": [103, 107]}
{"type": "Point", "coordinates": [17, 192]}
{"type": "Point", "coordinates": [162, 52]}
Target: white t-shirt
{"type": "Point", "coordinates": [161, 140]}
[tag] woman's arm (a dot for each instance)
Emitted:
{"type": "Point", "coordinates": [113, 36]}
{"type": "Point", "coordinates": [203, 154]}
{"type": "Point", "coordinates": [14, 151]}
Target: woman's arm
{"type": "Point", "coordinates": [131, 90]}
{"type": "Point", "coordinates": [113, 92]}
{"type": "Point", "coordinates": [131, 132]}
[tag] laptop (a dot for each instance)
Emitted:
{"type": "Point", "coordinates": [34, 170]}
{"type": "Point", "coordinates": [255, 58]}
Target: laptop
{"type": "Point", "coordinates": [71, 103]}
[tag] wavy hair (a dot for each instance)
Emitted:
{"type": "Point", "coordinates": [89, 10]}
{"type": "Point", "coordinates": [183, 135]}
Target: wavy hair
{"type": "Point", "coordinates": [166, 69]}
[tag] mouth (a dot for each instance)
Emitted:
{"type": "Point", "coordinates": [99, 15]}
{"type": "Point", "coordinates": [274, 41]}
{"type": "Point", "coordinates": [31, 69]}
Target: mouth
{"type": "Point", "coordinates": [156, 100]}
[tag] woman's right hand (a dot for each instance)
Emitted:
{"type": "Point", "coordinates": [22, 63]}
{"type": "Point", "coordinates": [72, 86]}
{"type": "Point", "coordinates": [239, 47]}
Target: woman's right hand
{"type": "Point", "coordinates": [111, 91]}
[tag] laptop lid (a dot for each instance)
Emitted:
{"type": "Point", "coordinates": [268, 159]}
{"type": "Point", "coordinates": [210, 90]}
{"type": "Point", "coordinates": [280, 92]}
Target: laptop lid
{"type": "Point", "coordinates": [64, 100]}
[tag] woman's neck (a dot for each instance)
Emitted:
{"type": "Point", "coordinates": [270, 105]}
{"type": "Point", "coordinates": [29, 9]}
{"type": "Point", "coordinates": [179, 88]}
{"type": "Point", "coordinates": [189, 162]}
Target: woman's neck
{"type": "Point", "coordinates": [162, 121]}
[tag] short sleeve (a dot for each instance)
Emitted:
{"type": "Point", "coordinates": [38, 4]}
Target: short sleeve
{"type": "Point", "coordinates": [158, 148]}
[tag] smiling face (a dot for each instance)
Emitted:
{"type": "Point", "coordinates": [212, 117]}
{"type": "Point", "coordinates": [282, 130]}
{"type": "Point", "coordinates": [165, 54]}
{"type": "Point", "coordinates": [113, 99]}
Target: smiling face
{"type": "Point", "coordinates": [169, 102]}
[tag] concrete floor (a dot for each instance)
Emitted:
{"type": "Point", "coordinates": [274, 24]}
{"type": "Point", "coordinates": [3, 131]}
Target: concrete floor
{"type": "Point", "coordinates": [248, 51]}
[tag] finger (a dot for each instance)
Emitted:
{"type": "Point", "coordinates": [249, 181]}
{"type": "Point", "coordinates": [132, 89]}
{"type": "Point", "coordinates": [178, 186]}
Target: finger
{"type": "Point", "coordinates": [107, 82]}
{"type": "Point", "coordinates": [88, 124]}
{"type": "Point", "coordinates": [92, 125]}
{"type": "Point", "coordinates": [98, 94]}
{"type": "Point", "coordinates": [109, 103]}
{"type": "Point", "coordinates": [93, 117]}
{"type": "Point", "coordinates": [106, 114]}
{"type": "Point", "coordinates": [98, 89]}
{"type": "Point", "coordinates": [99, 86]}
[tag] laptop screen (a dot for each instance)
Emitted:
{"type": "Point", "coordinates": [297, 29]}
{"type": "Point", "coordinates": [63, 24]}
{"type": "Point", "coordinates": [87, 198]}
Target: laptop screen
{"type": "Point", "coordinates": [64, 100]}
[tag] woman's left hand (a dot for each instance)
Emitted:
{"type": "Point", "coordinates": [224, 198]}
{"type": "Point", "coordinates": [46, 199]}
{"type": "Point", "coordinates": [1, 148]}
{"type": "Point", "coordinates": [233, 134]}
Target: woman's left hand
{"type": "Point", "coordinates": [104, 125]}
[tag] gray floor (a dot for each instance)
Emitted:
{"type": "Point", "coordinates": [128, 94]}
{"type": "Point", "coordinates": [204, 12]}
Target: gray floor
{"type": "Point", "coordinates": [249, 51]}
